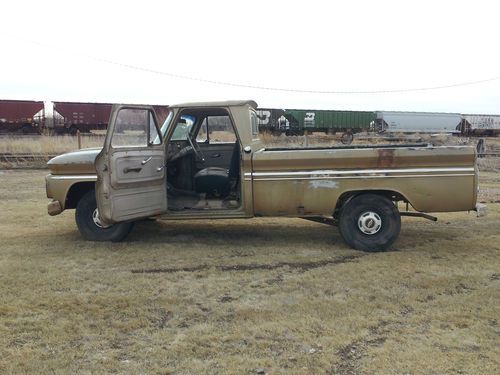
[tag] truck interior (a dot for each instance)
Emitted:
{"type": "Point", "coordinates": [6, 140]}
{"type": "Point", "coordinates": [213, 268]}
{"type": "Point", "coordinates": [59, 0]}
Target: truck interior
{"type": "Point", "coordinates": [203, 162]}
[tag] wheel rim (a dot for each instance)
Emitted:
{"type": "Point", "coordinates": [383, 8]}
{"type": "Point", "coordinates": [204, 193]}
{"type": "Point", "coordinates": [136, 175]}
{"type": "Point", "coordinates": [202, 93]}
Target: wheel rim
{"type": "Point", "coordinates": [97, 220]}
{"type": "Point", "coordinates": [369, 223]}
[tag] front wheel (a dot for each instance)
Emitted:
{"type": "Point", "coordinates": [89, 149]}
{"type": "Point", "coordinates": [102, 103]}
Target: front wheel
{"type": "Point", "coordinates": [90, 226]}
{"type": "Point", "coordinates": [369, 222]}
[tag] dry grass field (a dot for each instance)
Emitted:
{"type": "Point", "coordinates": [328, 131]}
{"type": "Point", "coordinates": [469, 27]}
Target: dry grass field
{"type": "Point", "coordinates": [253, 296]}
{"type": "Point", "coordinates": [276, 296]}
{"type": "Point", "coordinates": [48, 145]}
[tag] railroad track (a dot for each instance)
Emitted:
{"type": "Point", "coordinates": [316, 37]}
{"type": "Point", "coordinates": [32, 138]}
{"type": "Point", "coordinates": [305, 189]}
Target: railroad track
{"type": "Point", "coordinates": [9, 157]}
{"type": "Point", "coordinates": [38, 136]}
{"type": "Point", "coordinates": [23, 136]}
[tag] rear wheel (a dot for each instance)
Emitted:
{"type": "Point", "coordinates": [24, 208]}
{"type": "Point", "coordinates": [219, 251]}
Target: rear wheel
{"type": "Point", "coordinates": [90, 226]}
{"type": "Point", "coordinates": [369, 222]}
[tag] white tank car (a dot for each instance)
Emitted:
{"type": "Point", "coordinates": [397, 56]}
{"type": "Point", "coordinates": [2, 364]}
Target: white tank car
{"type": "Point", "coordinates": [418, 122]}
{"type": "Point", "coordinates": [482, 124]}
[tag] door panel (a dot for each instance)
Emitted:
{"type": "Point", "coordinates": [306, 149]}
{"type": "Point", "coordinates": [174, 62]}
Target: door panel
{"type": "Point", "coordinates": [131, 181]}
{"type": "Point", "coordinates": [137, 167]}
{"type": "Point", "coordinates": [216, 155]}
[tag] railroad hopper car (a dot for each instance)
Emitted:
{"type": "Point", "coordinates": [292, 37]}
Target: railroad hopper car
{"type": "Point", "coordinates": [488, 125]}
{"type": "Point", "coordinates": [418, 122]}
{"type": "Point", "coordinates": [21, 116]}
{"type": "Point", "coordinates": [298, 121]}
{"type": "Point", "coordinates": [72, 117]}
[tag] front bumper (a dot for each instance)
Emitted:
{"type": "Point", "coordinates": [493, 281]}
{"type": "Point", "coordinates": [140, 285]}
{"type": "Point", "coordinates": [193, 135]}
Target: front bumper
{"type": "Point", "coordinates": [58, 187]}
{"type": "Point", "coordinates": [54, 208]}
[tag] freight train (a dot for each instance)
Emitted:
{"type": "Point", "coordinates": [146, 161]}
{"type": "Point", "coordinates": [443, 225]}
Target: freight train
{"type": "Point", "coordinates": [421, 122]}
{"type": "Point", "coordinates": [22, 116]}
{"type": "Point", "coordinates": [84, 117]}
{"type": "Point", "coordinates": [37, 117]}
{"type": "Point", "coordinates": [298, 122]}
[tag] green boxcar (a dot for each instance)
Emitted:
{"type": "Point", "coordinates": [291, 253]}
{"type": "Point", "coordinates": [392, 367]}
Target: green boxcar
{"type": "Point", "coordinates": [296, 121]}
{"type": "Point", "coordinates": [334, 121]}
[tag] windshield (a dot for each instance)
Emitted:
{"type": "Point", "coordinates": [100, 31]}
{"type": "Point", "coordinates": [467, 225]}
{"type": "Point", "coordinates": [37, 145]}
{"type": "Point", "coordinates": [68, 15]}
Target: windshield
{"type": "Point", "coordinates": [183, 128]}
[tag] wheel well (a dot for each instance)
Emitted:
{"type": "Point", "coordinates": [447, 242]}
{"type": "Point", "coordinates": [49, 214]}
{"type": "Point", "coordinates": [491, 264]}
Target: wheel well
{"type": "Point", "coordinates": [348, 195]}
{"type": "Point", "coordinates": [76, 192]}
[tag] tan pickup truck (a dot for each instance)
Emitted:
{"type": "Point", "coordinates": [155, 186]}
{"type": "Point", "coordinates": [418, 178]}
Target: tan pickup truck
{"type": "Point", "coordinates": [206, 161]}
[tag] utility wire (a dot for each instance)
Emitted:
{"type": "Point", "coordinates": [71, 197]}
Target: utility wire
{"type": "Point", "coordinates": [255, 87]}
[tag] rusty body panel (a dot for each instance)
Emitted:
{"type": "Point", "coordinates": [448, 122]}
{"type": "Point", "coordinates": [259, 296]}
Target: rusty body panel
{"type": "Point", "coordinates": [76, 162]}
{"type": "Point", "coordinates": [310, 182]}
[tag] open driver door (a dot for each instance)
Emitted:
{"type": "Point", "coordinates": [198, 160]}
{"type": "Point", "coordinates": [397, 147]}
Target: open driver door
{"type": "Point", "coordinates": [131, 182]}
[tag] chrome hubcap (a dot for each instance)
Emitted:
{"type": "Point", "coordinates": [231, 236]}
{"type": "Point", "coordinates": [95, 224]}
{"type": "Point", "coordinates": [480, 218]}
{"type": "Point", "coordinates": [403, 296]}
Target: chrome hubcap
{"type": "Point", "coordinates": [369, 222]}
{"type": "Point", "coordinates": [97, 220]}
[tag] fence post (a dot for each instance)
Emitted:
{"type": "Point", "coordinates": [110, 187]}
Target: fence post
{"type": "Point", "coordinates": [79, 137]}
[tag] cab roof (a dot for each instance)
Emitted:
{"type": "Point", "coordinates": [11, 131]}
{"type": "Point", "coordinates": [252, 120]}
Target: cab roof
{"type": "Point", "coordinates": [227, 103]}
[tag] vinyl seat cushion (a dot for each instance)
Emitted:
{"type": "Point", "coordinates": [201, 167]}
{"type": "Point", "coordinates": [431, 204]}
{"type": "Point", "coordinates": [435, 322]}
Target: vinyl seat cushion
{"type": "Point", "coordinates": [212, 179]}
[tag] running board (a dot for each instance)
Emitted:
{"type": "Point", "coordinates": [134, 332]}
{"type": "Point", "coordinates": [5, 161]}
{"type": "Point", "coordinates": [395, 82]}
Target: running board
{"type": "Point", "coordinates": [321, 219]}
{"type": "Point", "coordinates": [418, 214]}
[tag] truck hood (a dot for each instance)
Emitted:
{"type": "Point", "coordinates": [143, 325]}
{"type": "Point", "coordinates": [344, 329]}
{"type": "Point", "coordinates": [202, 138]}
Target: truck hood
{"type": "Point", "coordinates": [75, 162]}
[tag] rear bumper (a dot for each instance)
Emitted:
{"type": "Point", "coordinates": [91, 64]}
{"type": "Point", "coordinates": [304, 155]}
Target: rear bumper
{"type": "Point", "coordinates": [481, 209]}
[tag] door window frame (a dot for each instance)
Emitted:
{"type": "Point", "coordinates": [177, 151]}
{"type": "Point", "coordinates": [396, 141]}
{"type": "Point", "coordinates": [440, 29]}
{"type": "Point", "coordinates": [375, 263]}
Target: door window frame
{"type": "Point", "coordinates": [149, 143]}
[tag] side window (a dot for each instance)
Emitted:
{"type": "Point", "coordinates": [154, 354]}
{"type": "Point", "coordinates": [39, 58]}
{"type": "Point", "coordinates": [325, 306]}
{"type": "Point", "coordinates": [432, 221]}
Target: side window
{"type": "Point", "coordinates": [220, 130]}
{"type": "Point", "coordinates": [132, 127]}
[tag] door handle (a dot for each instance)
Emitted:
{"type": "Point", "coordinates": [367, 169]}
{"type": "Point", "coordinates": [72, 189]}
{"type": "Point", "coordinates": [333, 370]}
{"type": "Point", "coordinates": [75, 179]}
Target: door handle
{"type": "Point", "coordinates": [216, 155]}
{"type": "Point", "coordinates": [159, 169]}
{"type": "Point", "coordinates": [146, 160]}
{"type": "Point", "coordinates": [134, 169]}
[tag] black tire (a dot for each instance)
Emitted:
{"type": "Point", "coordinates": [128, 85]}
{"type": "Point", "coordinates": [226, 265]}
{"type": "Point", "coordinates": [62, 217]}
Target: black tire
{"type": "Point", "coordinates": [367, 213]}
{"type": "Point", "coordinates": [90, 230]}
{"type": "Point", "coordinates": [26, 129]}
{"type": "Point", "coordinates": [347, 138]}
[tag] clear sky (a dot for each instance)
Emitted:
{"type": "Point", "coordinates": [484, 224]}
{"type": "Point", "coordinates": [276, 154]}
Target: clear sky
{"type": "Point", "coordinates": [57, 50]}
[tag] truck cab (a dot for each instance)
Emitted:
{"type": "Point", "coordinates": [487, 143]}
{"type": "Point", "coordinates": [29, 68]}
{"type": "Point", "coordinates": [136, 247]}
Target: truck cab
{"type": "Point", "coordinates": [192, 165]}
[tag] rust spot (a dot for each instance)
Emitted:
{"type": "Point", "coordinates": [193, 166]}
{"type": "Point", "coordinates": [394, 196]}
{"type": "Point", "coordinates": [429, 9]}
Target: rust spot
{"type": "Point", "coordinates": [385, 158]}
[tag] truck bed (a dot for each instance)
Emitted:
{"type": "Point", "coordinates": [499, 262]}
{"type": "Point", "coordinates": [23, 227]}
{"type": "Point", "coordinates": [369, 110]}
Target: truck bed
{"type": "Point", "coordinates": [431, 179]}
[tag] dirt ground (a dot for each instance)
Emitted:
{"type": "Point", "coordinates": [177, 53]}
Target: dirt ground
{"type": "Point", "coordinates": [245, 297]}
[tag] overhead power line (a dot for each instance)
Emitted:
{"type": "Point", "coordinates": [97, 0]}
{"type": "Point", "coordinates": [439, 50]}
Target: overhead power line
{"type": "Point", "coordinates": [258, 87]}
{"type": "Point", "coordinates": [304, 91]}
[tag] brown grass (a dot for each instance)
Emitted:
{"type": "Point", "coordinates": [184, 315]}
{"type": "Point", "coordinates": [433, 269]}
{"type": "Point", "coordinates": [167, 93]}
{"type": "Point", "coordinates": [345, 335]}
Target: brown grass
{"type": "Point", "coordinates": [47, 145]}
{"type": "Point", "coordinates": [281, 295]}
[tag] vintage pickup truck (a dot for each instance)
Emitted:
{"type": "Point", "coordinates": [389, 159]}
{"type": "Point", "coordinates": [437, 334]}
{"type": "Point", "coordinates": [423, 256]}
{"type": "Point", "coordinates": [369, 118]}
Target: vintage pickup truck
{"type": "Point", "coordinates": [206, 161]}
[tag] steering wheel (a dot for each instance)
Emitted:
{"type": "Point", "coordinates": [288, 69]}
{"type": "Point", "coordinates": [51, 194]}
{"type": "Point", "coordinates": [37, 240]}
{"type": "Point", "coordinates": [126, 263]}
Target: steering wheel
{"type": "Point", "coordinates": [196, 149]}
